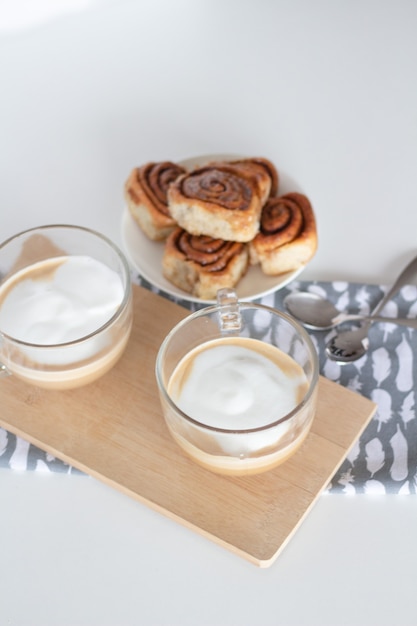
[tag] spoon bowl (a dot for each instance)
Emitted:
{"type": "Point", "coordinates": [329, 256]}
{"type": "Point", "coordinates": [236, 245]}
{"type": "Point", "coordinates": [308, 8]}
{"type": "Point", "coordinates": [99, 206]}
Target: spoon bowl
{"type": "Point", "coordinates": [352, 345]}
{"type": "Point", "coordinates": [317, 313]}
{"type": "Point", "coordinates": [311, 310]}
{"type": "Point", "coordinates": [349, 346]}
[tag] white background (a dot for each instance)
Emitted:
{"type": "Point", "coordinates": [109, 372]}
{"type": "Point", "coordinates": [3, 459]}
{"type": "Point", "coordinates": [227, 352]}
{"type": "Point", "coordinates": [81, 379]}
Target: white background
{"type": "Point", "coordinates": [328, 91]}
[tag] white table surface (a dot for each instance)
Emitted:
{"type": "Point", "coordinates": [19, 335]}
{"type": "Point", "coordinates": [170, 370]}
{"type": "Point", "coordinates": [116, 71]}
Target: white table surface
{"type": "Point", "coordinates": [328, 91]}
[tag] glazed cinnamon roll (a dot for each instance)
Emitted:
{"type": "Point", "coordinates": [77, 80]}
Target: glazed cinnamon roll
{"type": "Point", "coordinates": [201, 265]}
{"type": "Point", "coordinates": [220, 201]}
{"type": "Point", "coordinates": [146, 197]}
{"type": "Point", "coordinates": [288, 234]}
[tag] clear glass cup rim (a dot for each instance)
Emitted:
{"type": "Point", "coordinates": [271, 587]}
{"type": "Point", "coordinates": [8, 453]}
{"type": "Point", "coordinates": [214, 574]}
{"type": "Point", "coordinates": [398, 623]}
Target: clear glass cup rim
{"type": "Point", "coordinates": [110, 321]}
{"type": "Point", "coordinates": [245, 305]}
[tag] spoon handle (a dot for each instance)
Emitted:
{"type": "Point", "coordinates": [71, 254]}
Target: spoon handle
{"type": "Point", "coordinates": [407, 276]}
{"type": "Point", "coordinates": [400, 321]}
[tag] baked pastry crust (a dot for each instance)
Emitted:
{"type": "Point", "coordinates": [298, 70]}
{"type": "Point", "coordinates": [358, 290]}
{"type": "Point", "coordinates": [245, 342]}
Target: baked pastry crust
{"type": "Point", "coordinates": [200, 265]}
{"type": "Point", "coordinates": [146, 197]}
{"type": "Point", "coordinates": [288, 236]}
{"type": "Point", "coordinates": [221, 201]}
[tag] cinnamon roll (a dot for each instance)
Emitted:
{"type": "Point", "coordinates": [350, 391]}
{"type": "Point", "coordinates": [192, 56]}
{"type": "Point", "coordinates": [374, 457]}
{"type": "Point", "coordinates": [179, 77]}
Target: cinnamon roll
{"type": "Point", "coordinates": [288, 234]}
{"type": "Point", "coordinates": [201, 265]}
{"type": "Point", "coordinates": [146, 197]}
{"type": "Point", "coordinates": [220, 201]}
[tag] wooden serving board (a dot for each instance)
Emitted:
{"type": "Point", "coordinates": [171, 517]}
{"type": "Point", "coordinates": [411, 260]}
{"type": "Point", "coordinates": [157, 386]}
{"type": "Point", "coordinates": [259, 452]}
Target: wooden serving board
{"type": "Point", "coordinates": [114, 430]}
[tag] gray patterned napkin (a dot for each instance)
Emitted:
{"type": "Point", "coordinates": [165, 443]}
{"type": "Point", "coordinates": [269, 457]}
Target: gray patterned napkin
{"type": "Point", "coordinates": [384, 460]}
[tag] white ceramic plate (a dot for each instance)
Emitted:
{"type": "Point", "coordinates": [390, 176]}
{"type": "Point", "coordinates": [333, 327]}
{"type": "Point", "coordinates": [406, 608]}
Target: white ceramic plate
{"type": "Point", "coordinates": [145, 255]}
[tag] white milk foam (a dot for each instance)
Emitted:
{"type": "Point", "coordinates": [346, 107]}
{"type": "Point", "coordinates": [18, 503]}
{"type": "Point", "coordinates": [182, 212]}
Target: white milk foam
{"type": "Point", "coordinates": [59, 300]}
{"type": "Point", "coordinates": [233, 385]}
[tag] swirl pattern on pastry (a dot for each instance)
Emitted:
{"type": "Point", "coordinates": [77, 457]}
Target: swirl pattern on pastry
{"type": "Point", "coordinates": [220, 186]}
{"type": "Point", "coordinates": [212, 254]}
{"type": "Point", "coordinates": [288, 235]}
{"type": "Point", "coordinates": [201, 265]}
{"type": "Point", "coordinates": [282, 220]}
{"type": "Point", "coordinates": [270, 168]}
{"type": "Point", "coordinates": [155, 178]}
{"type": "Point", "coordinates": [264, 172]}
{"type": "Point", "coordinates": [146, 193]}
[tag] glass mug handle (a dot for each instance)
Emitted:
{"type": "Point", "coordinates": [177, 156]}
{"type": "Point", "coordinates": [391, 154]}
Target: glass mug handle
{"type": "Point", "coordinates": [230, 321]}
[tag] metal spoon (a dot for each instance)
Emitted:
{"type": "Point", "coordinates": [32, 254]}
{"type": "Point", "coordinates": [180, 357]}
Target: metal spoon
{"type": "Point", "coordinates": [317, 313]}
{"type": "Point", "coordinates": [351, 345]}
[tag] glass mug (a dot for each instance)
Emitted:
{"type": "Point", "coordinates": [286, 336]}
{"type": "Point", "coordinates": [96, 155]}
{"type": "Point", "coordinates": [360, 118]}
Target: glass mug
{"type": "Point", "coordinates": [238, 385]}
{"type": "Point", "coordinates": [65, 306]}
